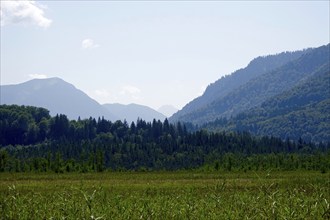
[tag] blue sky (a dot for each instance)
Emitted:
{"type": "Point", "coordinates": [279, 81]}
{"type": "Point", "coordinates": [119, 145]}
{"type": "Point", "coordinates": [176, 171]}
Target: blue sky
{"type": "Point", "coordinates": [150, 52]}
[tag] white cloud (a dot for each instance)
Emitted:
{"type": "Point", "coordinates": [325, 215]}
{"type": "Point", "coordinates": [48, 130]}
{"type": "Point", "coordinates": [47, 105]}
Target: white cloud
{"type": "Point", "coordinates": [123, 94]}
{"type": "Point", "coordinates": [13, 11]}
{"type": "Point", "coordinates": [102, 93]}
{"type": "Point", "coordinates": [131, 91]}
{"type": "Point", "coordinates": [128, 89]}
{"type": "Point", "coordinates": [88, 44]}
{"type": "Point", "coordinates": [38, 76]}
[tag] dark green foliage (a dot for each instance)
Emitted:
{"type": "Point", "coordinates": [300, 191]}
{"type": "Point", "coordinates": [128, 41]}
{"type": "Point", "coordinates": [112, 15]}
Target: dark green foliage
{"type": "Point", "coordinates": [22, 125]}
{"type": "Point", "coordinates": [96, 145]}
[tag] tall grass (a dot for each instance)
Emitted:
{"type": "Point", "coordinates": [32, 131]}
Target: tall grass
{"type": "Point", "coordinates": [176, 195]}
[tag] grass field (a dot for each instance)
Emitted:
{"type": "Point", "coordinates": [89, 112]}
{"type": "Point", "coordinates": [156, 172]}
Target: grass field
{"type": "Point", "coordinates": [165, 195]}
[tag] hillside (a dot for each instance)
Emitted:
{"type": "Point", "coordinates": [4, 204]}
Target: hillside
{"type": "Point", "coordinates": [258, 90]}
{"type": "Point", "coordinates": [224, 86]}
{"type": "Point", "coordinates": [132, 112]}
{"type": "Point", "coordinates": [58, 96]}
{"type": "Point", "coordinates": [301, 112]}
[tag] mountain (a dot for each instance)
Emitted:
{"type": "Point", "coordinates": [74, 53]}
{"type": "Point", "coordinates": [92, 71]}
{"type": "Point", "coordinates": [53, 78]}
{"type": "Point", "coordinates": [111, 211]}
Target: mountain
{"type": "Point", "coordinates": [167, 110]}
{"type": "Point", "coordinates": [301, 112]}
{"type": "Point", "coordinates": [132, 112]}
{"type": "Point", "coordinates": [258, 89]}
{"type": "Point", "coordinates": [227, 84]}
{"type": "Point", "coordinates": [56, 95]}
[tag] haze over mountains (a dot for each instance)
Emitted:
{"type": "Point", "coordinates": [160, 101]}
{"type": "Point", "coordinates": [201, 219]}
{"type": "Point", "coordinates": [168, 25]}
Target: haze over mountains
{"type": "Point", "coordinates": [60, 97]}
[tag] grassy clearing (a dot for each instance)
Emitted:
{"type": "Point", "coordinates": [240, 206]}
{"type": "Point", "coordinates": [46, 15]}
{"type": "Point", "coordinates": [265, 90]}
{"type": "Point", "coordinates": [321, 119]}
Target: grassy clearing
{"type": "Point", "coordinates": [165, 195]}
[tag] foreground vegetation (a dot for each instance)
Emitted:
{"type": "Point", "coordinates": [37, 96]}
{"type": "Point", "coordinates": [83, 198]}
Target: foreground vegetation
{"type": "Point", "coordinates": [165, 195]}
{"type": "Point", "coordinates": [48, 164]}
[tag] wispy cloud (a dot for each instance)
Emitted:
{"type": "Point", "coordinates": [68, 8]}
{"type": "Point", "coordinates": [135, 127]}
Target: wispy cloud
{"type": "Point", "coordinates": [13, 11]}
{"type": "Point", "coordinates": [102, 93]}
{"type": "Point", "coordinates": [131, 91]}
{"type": "Point", "coordinates": [89, 44]}
{"type": "Point", "coordinates": [38, 76]}
{"type": "Point", "coordinates": [123, 94]}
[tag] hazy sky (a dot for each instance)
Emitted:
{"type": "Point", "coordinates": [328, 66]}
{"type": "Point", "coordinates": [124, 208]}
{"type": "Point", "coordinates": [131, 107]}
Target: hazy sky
{"type": "Point", "coordinates": [150, 52]}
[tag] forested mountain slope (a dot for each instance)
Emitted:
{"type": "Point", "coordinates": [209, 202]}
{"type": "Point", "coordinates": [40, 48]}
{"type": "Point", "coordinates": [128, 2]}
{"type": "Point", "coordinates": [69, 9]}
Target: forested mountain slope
{"type": "Point", "coordinates": [58, 96]}
{"type": "Point", "coordinates": [230, 83]}
{"type": "Point", "coordinates": [301, 112]}
{"type": "Point", "coordinates": [261, 88]}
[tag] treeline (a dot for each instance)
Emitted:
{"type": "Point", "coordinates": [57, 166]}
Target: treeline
{"type": "Point", "coordinates": [32, 140]}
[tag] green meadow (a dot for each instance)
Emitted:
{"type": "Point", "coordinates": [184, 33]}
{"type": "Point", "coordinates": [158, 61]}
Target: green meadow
{"type": "Point", "coordinates": [165, 195]}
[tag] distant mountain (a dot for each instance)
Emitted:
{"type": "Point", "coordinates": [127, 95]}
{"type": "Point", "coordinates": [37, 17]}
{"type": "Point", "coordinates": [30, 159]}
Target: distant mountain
{"type": "Point", "coordinates": [56, 95]}
{"type": "Point", "coordinates": [301, 112]}
{"type": "Point", "coordinates": [167, 110]}
{"type": "Point", "coordinates": [228, 84]}
{"type": "Point", "coordinates": [258, 89]}
{"type": "Point", "coordinates": [132, 112]}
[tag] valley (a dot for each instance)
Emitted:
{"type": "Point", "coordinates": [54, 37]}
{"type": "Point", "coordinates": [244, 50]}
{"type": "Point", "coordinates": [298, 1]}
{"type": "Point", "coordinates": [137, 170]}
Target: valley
{"type": "Point", "coordinates": [164, 110]}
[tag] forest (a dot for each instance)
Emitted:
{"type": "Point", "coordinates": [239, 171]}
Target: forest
{"type": "Point", "coordinates": [32, 140]}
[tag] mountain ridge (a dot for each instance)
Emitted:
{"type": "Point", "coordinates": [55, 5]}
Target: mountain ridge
{"type": "Point", "coordinates": [61, 97]}
{"type": "Point", "coordinates": [55, 94]}
{"type": "Point", "coordinates": [167, 110]}
{"type": "Point", "coordinates": [302, 112]}
{"type": "Point", "coordinates": [132, 112]}
{"type": "Point", "coordinates": [257, 90]}
{"type": "Point", "coordinates": [229, 83]}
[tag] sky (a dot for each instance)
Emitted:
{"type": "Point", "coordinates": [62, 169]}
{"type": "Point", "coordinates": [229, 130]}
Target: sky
{"type": "Point", "coordinates": [152, 53]}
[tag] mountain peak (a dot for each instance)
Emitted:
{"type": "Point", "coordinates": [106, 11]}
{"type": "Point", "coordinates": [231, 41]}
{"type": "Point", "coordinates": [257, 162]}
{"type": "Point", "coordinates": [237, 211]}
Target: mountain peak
{"type": "Point", "coordinates": [167, 110]}
{"type": "Point", "coordinates": [48, 81]}
{"type": "Point", "coordinates": [55, 94]}
{"type": "Point", "coordinates": [132, 112]}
